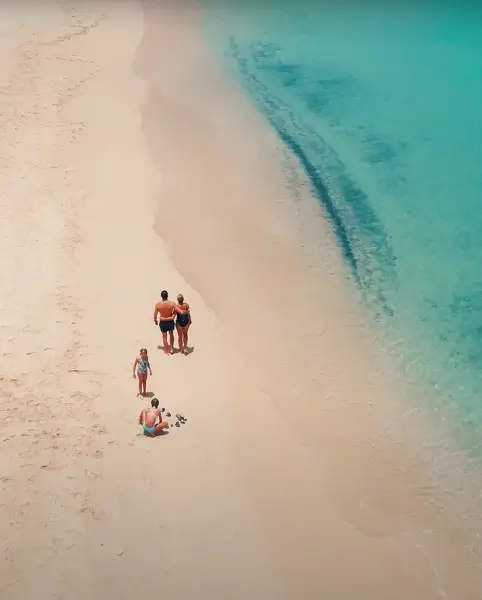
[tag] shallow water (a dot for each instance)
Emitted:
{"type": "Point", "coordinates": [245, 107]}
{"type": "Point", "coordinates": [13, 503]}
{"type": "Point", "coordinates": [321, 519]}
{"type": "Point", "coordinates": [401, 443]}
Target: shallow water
{"type": "Point", "coordinates": [381, 106]}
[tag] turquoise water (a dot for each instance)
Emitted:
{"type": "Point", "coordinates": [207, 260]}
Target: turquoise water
{"type": "Point", "coordinates": [383, 108]}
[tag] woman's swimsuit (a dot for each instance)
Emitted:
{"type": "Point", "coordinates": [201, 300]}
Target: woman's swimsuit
{"type": "Point", "coordinates": [185, 319]}
{"type": "Point", "coordinates": [149, 430]}
{"type": "Point", "coordinates": [142, 366]}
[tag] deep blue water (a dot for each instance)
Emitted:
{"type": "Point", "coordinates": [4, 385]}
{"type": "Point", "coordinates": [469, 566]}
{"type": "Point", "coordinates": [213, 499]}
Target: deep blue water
{"type": "Point", "coordinates": [382, 106]}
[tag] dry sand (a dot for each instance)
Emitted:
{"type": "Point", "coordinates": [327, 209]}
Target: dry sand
{"type": "Point", "coordinates": [116, 183]}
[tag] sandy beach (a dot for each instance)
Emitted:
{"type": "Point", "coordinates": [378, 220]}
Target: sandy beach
{"type": "Point", "coordinates": [117, 182]}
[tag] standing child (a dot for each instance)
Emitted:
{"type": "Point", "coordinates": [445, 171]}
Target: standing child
{"type": "Point", "coordinates": [142, 364]}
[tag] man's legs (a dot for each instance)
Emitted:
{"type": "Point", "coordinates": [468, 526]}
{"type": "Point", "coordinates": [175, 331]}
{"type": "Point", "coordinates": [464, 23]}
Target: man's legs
{"type": "Point", "coordinates": [171, 340]}
{"type": "Point", "coordinates": [164, 342]}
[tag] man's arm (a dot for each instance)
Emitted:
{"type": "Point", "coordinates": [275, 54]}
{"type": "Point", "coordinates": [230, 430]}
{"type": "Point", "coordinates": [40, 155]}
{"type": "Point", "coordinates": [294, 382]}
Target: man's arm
{"type": "Point", "coordinates": [156, 310]}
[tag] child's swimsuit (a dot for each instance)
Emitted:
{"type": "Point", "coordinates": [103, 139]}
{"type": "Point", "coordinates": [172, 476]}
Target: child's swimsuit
{"type": "Point", "coordinates": [142, 366]}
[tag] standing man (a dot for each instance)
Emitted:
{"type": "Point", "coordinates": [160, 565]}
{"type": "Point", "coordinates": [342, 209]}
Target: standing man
{"type": "Point", "coordinates": [164, 314]}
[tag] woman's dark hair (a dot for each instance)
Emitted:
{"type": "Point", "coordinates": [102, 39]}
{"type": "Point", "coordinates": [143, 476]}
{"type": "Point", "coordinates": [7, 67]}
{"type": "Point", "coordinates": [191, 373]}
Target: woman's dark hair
{"type": "Point", "coordinates": [155, 402]}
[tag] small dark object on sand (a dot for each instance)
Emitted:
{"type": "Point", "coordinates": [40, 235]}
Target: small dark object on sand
{"type": "Point", "coordinates": [179, 417]}
{"type": "Point", "coordinates": [163, 409]}
{"type": "Point", "coordinates": [168, 414]}
{"type": "Point", "coordinates": [171, 425]}
{"type": "Point", "coordinates": [178, 424]}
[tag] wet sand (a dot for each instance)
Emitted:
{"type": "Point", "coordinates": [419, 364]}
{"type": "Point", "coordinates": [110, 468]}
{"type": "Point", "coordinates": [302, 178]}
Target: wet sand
{"type": "Point", "coordinates": [128, 168]}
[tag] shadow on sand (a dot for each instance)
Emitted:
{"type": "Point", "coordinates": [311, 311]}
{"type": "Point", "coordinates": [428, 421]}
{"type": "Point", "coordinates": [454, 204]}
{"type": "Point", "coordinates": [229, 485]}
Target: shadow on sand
{"type": "Point", "coordinates": [153, 437]}
{"type": "Point", "coordinates": [189, 350]}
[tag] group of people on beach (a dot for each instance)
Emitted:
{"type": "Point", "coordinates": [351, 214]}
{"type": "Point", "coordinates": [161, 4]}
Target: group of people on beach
{"type": "Point", "coordinates": [167, 315]}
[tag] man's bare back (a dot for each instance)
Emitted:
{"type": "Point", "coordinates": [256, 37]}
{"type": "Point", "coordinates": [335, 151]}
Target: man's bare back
{"type": "Point", "coordinates": [166, 309]}
{"type": "Point", "coordinates": [164, 314]}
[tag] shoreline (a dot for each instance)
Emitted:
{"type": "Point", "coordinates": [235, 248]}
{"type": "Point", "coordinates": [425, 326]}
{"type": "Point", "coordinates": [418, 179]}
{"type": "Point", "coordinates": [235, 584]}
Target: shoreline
{"type": "Point", "coordinates": [407, 470]}
{"type": "Point", "coordinates": [256, 496]}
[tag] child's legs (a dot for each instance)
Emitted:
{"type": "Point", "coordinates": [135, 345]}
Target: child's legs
{"type": "Point", "coordinates": [142, 383]}
{"type": "Point", "coordinates": [160, 427]}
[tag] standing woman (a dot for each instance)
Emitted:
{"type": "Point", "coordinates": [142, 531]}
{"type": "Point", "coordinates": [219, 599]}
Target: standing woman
{"type": "Point", "coordinates": [183, 322]}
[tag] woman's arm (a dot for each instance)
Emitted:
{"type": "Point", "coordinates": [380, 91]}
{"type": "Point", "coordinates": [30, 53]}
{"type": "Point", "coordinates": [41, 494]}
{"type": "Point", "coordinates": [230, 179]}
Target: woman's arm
{"type": "Point", "coordinates": [173, 314]}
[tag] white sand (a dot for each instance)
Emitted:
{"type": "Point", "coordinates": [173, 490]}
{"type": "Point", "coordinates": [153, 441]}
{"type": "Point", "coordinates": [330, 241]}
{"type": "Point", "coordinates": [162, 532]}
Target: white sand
{"type": "Point", "coordinates": [246, 500]}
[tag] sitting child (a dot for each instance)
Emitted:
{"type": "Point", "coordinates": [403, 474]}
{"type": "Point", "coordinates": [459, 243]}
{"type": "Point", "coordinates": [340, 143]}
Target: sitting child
{"type": "Point", "coordinates": [151, 419]}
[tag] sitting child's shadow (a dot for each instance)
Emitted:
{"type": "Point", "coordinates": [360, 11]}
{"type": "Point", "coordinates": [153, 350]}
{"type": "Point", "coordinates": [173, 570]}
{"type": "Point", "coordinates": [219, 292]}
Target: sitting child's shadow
{"type": "Point", "coordinates": [153, 437]}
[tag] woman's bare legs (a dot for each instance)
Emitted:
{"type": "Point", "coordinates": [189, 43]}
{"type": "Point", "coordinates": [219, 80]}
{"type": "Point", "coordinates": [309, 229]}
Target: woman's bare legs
{"type": "Point", "coordinates": [180, 337]}
{"type": "Point", "coordinates": [185, 338]}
